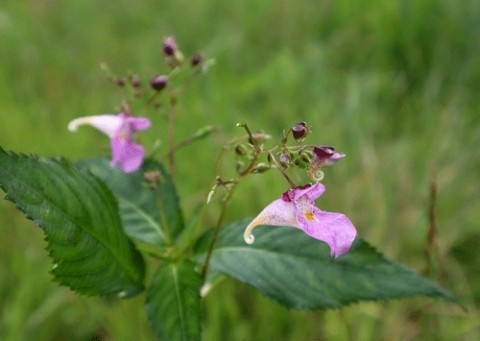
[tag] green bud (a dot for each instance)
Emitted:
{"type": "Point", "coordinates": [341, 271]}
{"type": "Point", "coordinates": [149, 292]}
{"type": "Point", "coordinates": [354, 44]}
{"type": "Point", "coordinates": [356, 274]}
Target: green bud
{"type": "Point", "coordinates": [261, 167]}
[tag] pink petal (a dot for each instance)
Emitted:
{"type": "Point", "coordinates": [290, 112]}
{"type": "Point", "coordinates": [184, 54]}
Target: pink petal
{"type": "Point", "coordinates": [311, 192]}
{"type": "Point", "coordinates": [335, 229]}
{"type": "Point", "coordinates": [138, 123]}
{"type": "Point", "coordinates": [127, 155]}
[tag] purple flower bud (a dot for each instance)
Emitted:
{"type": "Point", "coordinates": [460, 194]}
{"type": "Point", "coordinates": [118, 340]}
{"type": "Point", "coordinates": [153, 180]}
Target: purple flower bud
{"type": "Point", "coordinates": [300, 131]}
{"type": "Point", "coordinates": [159, 82]}
{"type": "Point", "coordinates": [169, 46]}
{"type": "Point", "coordinates": [326, 155]}
{"type": "Point", "coordinates": [196, 59]}
{"type": "Point", "coordinates": [285, 160]}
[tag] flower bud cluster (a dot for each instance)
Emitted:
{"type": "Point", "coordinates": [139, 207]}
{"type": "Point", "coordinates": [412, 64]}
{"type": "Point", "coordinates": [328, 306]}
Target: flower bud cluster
{"type": "Point", "coordinates": [311, 158]}
{"type": "Point", "coordinates": [149, 87]}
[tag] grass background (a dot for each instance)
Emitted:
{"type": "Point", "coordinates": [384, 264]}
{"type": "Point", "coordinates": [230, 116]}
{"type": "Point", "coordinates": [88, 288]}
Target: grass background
{"type": "Point", "coordinates": [394, 84]}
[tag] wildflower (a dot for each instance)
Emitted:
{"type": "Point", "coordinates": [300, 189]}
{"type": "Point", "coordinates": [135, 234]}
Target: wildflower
{"type": "Point", "coordinates": [126, 154]}
{"type": "Point", "coordinates": [296, 208]}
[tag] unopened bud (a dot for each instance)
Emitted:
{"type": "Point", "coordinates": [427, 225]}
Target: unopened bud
{"type": "Point", "coordinates": [239, 166]}
{"type": "Point", "coordinates": [159, 82]}
{"type": "Point", "coordinates": [196, 59]}
{"type": "Point", "coordinates": [240, 149]}
{"type": "Point", "coordinates": [120, 81]}
{"type": "Point", "coordinates": [300, 131]}
{"type": "Point", "coordinates": [285, 160]}
{"type": "Point", "coordinates": [135, 81]}
{"type": "Point", "coordinates": [169, 46]}
{"type": "Point", "coordinates": [258, 138]}
{"type": "Point", "coordinates": [304, 159]}
{"type": "Point", "coordinates": [260, 168]}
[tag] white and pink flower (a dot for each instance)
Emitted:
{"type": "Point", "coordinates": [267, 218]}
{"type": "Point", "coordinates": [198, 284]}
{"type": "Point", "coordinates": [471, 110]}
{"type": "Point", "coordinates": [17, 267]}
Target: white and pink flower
{"type": "Point", "coordinates": [126, 154]}
{"type": "Point", "coordinates": [296, 208]}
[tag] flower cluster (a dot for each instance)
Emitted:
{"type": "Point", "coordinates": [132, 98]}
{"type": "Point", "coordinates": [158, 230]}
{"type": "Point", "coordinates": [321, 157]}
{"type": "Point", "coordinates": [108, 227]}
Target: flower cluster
{"type": "Point", "coordinates": [128, 155]}
{"type": "Point", "coordinates": [296, 207]}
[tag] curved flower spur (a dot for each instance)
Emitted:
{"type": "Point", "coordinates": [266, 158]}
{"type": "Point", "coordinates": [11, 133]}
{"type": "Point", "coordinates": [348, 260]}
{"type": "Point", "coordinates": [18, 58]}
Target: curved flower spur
{"type": "Point", "coordinates": [296, 208]}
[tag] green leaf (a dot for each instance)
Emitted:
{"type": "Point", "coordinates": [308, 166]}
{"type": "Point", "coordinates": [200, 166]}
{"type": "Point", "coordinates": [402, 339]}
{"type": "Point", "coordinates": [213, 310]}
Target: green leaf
{"type": "Point", "coordinates": [296, 270]}
{"type": "Point", "coordinates": [150, 211]}
{"type": "Point", "coordinates": [173, 302]}
{"type": "Point", "coordinates": [79, 215]}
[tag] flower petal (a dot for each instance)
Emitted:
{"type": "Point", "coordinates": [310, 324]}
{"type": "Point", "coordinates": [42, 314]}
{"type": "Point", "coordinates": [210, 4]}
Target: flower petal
{"type": "Point", "coordinates": [335, 229]}
{"type": "Point", "coordinates": [138, 123]}
{"type": "Point", "coordinates": [278, 213]}
{"type": "Point", "coordinates": [127, 155]}
{"type": "Point", "coordinates": [311, 192]}
{"type": "Point", "coordinates": [108, 124]}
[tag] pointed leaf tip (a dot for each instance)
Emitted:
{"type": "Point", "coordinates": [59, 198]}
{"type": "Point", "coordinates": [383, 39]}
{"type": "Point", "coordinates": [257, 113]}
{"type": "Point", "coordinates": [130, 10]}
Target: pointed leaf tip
{"type": "Point", "coordinates": [299, 272]}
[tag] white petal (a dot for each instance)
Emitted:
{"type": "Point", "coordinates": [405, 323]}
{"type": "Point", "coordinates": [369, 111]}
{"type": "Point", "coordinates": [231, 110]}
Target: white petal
{"type": "Point", "coordinates": [278, 213]}
{"type": "Point", "coordinates": [108, 124]}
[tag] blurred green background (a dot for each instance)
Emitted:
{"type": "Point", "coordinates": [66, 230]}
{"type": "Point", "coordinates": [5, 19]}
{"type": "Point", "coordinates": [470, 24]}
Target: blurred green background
{"type": "Point", "coordinates": [393, 84]}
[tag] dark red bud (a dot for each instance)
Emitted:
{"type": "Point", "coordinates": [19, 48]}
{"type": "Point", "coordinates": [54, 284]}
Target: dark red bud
{"type": "Point", "coordinates": [300, 131]}
{"type": "Point", "coordinates": [169, 46]}
{"type": "Point", "coordinates": [285, 160]}
{"type": "Point", "coordinates": [196, 59]}
{"type": "Point", "coordinates": [159, 82]}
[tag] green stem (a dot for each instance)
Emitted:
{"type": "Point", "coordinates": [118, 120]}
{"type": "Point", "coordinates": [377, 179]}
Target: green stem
{"type": "Point", "coordinates": [226, 201]}
{"type": "Point", "coordinates": [171, 133]}
{"type": "Point", "coordinates": [281, 170]}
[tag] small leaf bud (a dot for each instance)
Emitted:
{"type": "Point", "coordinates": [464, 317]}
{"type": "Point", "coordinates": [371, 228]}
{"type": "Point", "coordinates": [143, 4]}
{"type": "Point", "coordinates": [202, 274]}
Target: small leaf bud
{"type": "Point", "coordinates": [240, 149]}
{"type": "Point", "coordinates": [260, 168]}
{"type": "Point", "coordinates": [304, 159]}
{"type": "Point", "coordinates": [239, 166]}
{"type": "Point", "coordinates": [258, 137]}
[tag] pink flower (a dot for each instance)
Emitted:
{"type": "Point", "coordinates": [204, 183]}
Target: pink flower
{"type": "Point", "coordinates": [297, 208]}
{"type": "Point", "coordinates": [326, 155]}
{"type": "Point", "coordinates": [126, 154]}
